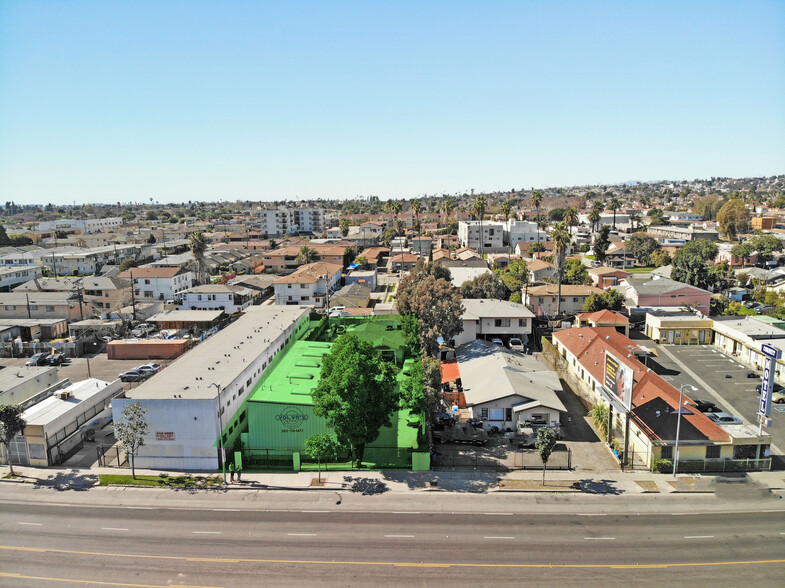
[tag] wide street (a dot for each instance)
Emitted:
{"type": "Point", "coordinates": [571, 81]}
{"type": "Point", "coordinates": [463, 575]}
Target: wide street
{"type": "Point", "coordinates": [134, 537]}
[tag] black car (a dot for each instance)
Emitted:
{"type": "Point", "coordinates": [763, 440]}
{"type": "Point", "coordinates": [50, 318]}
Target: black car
{"type": "Point", "coordinates": [759, 388]}
{"type": "Point", "coordinates": [753, 375]}
{"type": "Point", "coordinates": [705, 406]}
{"type": "Point", "coordinates": [56, 358]}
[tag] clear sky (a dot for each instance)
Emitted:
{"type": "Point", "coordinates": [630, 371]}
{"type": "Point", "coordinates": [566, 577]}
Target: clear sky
{"type": "Point", "coordinates": [125, 101]}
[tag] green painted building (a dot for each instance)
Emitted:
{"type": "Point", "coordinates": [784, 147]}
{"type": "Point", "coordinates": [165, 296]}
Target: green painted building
{"type": "Point", "coordinates": [279, 411]}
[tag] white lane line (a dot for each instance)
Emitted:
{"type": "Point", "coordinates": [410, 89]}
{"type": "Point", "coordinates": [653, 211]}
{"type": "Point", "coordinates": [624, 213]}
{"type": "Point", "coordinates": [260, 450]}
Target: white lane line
{"type": "Point", "coordinates": [206, 532]}
{"type": "Point", "coordinates": [499, 514]}
{"type": "Point", "coordinates": [600, 538]}
{"type": "Point", "coordinates": [139, 507]}
{"type": "Point", "coordinates": [400, 536]}
{"type": "Point", "coordinates": [699, 536]}
{"type": "Point", "coordinates": [591, 514]}
{"type": "Point", "coordinates": [314, 511]}
{"type": "Point", "coordinates": [226, 510]}
{"type": "Point", "coordinates": [302, 534]}
{"type": "Point", "coordinates": [113, 529]}
{"type": "Point", "coordinates": [498, 537]}
{"type": "Point", "coordinates": [405, 512]}
{"type": "Point", "coordinates": [31, 524]}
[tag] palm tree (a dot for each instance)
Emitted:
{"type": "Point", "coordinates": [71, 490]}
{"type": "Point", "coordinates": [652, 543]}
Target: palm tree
{"type": "Point", "coordinates": [570, 216]}
{"type": "Point", "coordinates": [506, 208]}
{"type": "Point", "coordinates": [478, 208]}
{"type": "Point", "coordinates": [594, 218]}
{"type": "Point", "coordinates": [307, 255]}
{"type": "Point", "coordinates": [561, 238]}
{"type": "Point", "coordinates": [395, 207]}
{"type": "Point", "coordinates": [614, 204]}
{"type": "Point", "coordinates": [536, 201]}
{"type": "Point", "coordinates": [416, 207]}
{"type": "Point", "coordinates": [388, 206]}
{"type": "Point", "coordinates": [447, 210]}
{"type": "Point", "coordinates": [198, 245]}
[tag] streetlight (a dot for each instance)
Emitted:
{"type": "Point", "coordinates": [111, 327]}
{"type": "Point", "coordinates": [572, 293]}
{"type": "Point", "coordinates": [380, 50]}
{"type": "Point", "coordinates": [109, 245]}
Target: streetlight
{"type": "Point", "coordinates": [678, 425]}
{"type": "Point", "coordinates": [221, 432]}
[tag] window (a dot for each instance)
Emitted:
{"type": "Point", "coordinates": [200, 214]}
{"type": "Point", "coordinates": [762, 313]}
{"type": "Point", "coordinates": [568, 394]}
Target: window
{"type": "Point", "coordinates": [508, 414]}
{"type": "Point", "coordinates": [147, 282]}
{"type": "Point", "coordinates": [484, 413]}
{"type": "Point", "coordinates": [575, 299]}
{"type": "Point", "coordinates": [502, 322]}
{"type": "Point", "coordinates": [667, 452]}
{"type": "Point", "coordinates": [50, 309]}
{"type": "Point", "coordinates": [521, 322]}
{"type": "Point", "coordinates": [10, 307]}
{"type": "Point", "coordinates": [713, 452]}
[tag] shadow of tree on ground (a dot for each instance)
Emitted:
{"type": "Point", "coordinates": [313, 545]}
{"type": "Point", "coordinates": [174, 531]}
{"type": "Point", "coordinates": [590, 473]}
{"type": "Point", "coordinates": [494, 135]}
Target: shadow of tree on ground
{"type": "Point", "coordinates": [72, 480]}
{"type": "Point", "coordinates": [366, 486]}
{"type": "Point", "coordinates": [606, 487]}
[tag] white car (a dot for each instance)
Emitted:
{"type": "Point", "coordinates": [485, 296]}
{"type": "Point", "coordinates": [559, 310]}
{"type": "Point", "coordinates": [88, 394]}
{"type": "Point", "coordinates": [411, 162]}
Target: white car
{"type": "Point", "coordinates": [143, 330]}
{"type": "Point", "coordinates": [497, 341]}
{"type": "Point", "coordinates": [516, 344]}
{"type": "Point", "coordinates": [152, 368]}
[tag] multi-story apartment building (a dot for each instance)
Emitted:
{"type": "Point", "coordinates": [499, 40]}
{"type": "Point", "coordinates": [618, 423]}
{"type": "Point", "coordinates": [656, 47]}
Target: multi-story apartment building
{"type": "Point", "coordinates": [309, 285]}
{"type": "Point", "coordinates": [90, 225]}
{"type": "Point", "coordinates": [491, 241]}
{"type": "Point", "coordinates": [159, 283]}
{"type": "Point", "coordinates": [516, 231]}
{"type": "Point", "coordinates": [279, 221]}
{"type": "Point", "coordinates": [14, 276]}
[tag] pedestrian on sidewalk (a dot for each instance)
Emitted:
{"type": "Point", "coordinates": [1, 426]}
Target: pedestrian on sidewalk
{"type": "Point", "coordinates": [239, 470]}
{"type": "Point", "coordinates": [231, 473]}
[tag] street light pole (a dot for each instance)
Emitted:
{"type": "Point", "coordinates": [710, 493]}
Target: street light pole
{"type": "Point", "coordinates": [678, 426]}
{"type": "Point", "coordinates": [221, 432]}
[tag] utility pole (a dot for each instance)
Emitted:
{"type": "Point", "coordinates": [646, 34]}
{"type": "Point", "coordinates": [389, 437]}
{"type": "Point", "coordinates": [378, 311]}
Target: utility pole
{"type": "Point", "coordinates": [133, 297]}
{"type": "Point", "coordinates": [27, 296]}
{"type": "Point", "coordinates": [221, 432]}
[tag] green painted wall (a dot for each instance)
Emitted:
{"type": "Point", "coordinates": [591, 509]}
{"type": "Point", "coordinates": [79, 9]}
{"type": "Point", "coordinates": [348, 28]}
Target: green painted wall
{"type": "Point", "coordinates": [281, 426]}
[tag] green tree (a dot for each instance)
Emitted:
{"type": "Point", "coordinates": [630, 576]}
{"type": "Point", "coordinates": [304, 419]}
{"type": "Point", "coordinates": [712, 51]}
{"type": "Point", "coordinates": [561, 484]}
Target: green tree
{"type": "Point", "coordinates": [641, 246]}
{"type": "Point", "coordinates": [514, 277]}
{"type": "Point", "coordinates": [561, 241]}
{"type": "Point", "coordinates": [556, 214]}
{"type": "Point", "coordinates": [614, 204]}
{"type": "Point", "coordinates": [323, 447]}
{"type": "Point", "coordinates": [536, 202]}
{"type": "Point", "coordinates": [11, 424]}
{"type": "Point", "coordinates": [487, 285]}
{"type": "Point", "coordinates": [601, 243]}
{"type": "Point", "coordinates": [610, 300]}
{"type": "Point", "coordinates": [343, 225]}
{"type": "Point", "coordinates": [127, 264]}
{"type": "Point", "coordinates": [733, 219]}
{"type": "Point", "coordinates": [708, 206]}
{"type": "Point", "coordinates": [198, 245]}
{"type": "Point", "coordinates": [721, 276]}
{"type": "Point", "coordinates": [765, 244]}
{"type": "Point", "coordinates": [546, 442]}
{"type": "Point", "coordinates": [362, 262]}
{"type": "Point", "coordinates": [594, 218]}
{"type": "Point", "coordinates": [4, 239]}
{"type": "Point", "coordinates": [130, 431]}
{"type": "Point", "coordinates": [506, 208]}
{"type": "Point", "coordinates": [387, 236]}
{"type": "Point", "coordinates": [660, 258]}
{"type": "Point", "coordinates": [691, 263]}
{"type": "Point", "coordinates": [657, 217]}
{"type": "Point", "coordinates": [307, 255]}
{"type": "Point", "coordinates": [416, 207]}
{"type": "Point", "coordinates": [575, 272]}
{"type": "Point", "coordinates": [478, 208]}
{"type": "Point", "coordinates": [570, 216]}
{"type": "Point", "coordinates": [356, 394]}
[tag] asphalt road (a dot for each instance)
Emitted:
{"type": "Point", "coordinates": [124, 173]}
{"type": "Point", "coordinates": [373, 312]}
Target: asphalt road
{"type": "Point", "coordinates": [68, 543]}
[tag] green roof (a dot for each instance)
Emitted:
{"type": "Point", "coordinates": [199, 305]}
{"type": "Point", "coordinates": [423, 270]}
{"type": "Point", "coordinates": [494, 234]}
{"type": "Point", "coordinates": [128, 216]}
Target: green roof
{"type": "Point", "coordinates": [294, 378]}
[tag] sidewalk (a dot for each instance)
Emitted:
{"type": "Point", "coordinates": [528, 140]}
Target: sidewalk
{"type": "Point", "coordinates": [400, 481]}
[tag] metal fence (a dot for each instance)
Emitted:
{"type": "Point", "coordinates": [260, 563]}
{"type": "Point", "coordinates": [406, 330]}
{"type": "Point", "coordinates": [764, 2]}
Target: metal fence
{"type": "Point", "coordinates": [724, 465]}
{"type": "Point", "coordinates": [111, 456]}
{"type": "Point", "coordinates": [283, 460]}
{"type": "Point", "coordinates": [498, 459]}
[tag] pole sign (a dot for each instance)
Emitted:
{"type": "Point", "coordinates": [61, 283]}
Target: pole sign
{"type": "Point", "coordinates": [618, 380]}
{"type": "Point", "coordinates": [772, 355]}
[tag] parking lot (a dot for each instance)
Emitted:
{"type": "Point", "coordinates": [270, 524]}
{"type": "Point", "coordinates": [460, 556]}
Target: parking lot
{"type": "Point", "coordinates": [719, 379]}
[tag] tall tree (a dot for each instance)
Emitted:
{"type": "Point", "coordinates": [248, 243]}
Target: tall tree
{"type": "Point", "coordinates": [594, 218]}
{"type": "Point", "coordinates": [130, 431]}
{"type": "Point", "coordinates": [416, 207]}
{"type": "Point", "coordinates": [395, 208]}
{"type": "Point", "coordinates": [570, 216]}
{"type": "Point", "coordinates": [343, 226]}
{"type": "Point", "coordinates": [478, 208]}
{"type": "Point", "coordinates": [692, 261]}
{"type": "Point", "coordinates": [708, 206]}
{"type": "Point", "coordinates": [11, 424]}
{"type": "Point", "coordinates": [487, 285]}
{"type": "Point", "coordinates": [733, 219]}
{"type": "Point", "coordinates": [601, 243]}
{"type": "Point", "coordinates": [614, 204]}
{"type": "Point", "coordinates": [506, 208]}
{"type": "Point", "coordinates": [575, 272]}
{"type": "Point", "coordinates": [198, 245]}
{"type": "Point", "coordinates": [356, 394]}
{"type": "Point", "coordinates": [641, 246]}
{"type": "Point", "coordinates": [447, 210]}
{"type": "Point", "coordinates": [307, 255]}
{"type": "Point", "coordinates": [546, 442]}
{"type": "Point", "coordinates": [536, 201]}
{"type": "Point", "coordinates": [611, 300]}
{"type": "Point", "coordinates": [561, 241]}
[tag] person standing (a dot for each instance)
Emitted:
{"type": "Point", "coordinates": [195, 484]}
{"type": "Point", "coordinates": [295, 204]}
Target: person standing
{"type": "Point", "coordinates": [231, 472]}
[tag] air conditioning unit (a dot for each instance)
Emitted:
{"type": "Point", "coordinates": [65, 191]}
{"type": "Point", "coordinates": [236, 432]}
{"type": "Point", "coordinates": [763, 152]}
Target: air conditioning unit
{"type": "Point", "coordinates": [64, 394]}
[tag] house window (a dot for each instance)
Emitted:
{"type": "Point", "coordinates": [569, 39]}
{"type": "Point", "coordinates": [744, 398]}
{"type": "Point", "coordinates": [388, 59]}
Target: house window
{"type": "Point", "coordinates": [575, 299]}
{"type": "Point", "coordinates": [502, 322]}
{"type": "Point", "coordinates": [713, 452]}
{"type": "Point", "coordinates": [484, 413]}
{"type": "Point", "coordinates": [521, 322]}
{"type": "Point", "coordinates": [508, 414]}
{"type": "Point", "coordinates": [10, 307]}
{"type": "Point", "coordinates": [147, 282]}
{"type": "Point", "coordinates": [667, 452]}
{"type": "Point", "coordinates": [50, 309]}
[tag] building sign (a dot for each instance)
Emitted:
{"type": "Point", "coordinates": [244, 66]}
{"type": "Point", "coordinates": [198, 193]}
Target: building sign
{"type": "Point", "coordinates": [772, 355]}
{"type": "Point", "coordinates": [291, 419]}
{"type": "Point", "coordinates": [164, 435]}
{"type": "Point", "coordinates": [618, 379]}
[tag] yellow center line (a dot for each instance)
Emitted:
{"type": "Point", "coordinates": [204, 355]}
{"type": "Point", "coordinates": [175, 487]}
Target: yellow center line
{"type": "Point", "coordinates": [96, 582]}
{"type": "Point", "coordinates": [390, 563]}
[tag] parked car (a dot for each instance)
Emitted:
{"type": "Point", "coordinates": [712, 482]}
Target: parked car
{"type": "Point", "coordinates": [705, 406]}
{"type": "Point", "coordinates": [723, 418]}
{"type": "Point", "coordinates": [778, 397]}
{"type": "Point", "coordinates": [759, 388]}
{"type": "Point", "coordinates": [516, 344]}
{"type": "Point", "coordinates": [753, 375]}
{"type": "Point", "coordinates": [153, 368]}
{"type": "Point", "coordinates": [497, 341]}
{"type": "Point", "coordinates": [56, 358]}
{"type": "Point", "coordinates": [764, 308]}
{"type": "Point", "coordinates": [143, 330]}
{"type": "Point", "coordinates": [135, 375]}
{"type": "Point", "coordinates": [38, 359]}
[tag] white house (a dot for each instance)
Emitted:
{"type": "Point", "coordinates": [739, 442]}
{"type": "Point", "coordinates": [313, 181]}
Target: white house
{"type": "Point", "coordinates": [486, 318]}
{"type": "Point", "coordinates": [308, 285]}
{"type": "Point", "coordinates": [224, 297]}
{"type": "Point", "coordinates": [90, 225]}
{"type": "Point", "coordinates": [516, 231]}
{"type": "Point", "coordinates": [492, 239]}
{"type": "Point", "coordinates": [14, 276]}
{"type": "Point", "coordinates": [159, 283]}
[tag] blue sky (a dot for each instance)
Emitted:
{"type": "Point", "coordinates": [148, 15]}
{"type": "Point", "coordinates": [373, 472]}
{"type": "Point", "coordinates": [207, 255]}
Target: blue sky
{"type": "Point", "coordinates": [126, 101]}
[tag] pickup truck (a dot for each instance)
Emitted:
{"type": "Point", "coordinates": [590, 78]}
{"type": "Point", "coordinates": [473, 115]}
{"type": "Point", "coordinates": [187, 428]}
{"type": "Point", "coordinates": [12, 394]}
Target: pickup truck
{"type": "Point", "coordinates": [463, 433]}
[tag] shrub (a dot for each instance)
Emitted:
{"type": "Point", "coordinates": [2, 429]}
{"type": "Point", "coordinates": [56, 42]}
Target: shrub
{"type": "Point", "coordinates": [599, 414]}
{"type": "Point", "coordinates": [663, 466]}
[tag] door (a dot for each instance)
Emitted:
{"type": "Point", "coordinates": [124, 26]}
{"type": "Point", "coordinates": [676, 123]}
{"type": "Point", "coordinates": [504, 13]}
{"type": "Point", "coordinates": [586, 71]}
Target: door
{"type": "Point", "coordinates": [671, 336]}
{"type": "Point", "coordinates": [701, 336]}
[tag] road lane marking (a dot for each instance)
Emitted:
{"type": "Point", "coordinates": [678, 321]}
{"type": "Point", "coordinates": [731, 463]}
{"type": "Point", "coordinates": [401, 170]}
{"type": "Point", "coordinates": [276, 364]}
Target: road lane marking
{"type": "Point", "coordinates": [302, 534]}
{"type": "Point", "coordinates": [593, 514]}
{"type": "Point", "coordinates": [140, 507]}
{"type": "Point", "coordinates": [405, 512]}
{"type": "Point", "coordinates": [226, 510]}
{"type": "Point", "coordinates": [214, 560]}
{"type": "Point", "coordinates": [600, 538]}
{"type": "Point", "coordinates": [498, 514]}
{"type": "Point", "coordinates": [113, 529]}
{"type": "Point", "coordinates": [699, 536]}
{"type": "Point", "coordinates": [31, 524]}
{"type": "Point", "coordinates": [206, 532]}
{"type": "Point", "coordinates": [498, 537]}
{"type": "Point", "coordinates": [314, 511]}
{"type": "Point", "coordinates": [400, 536]}
{"type": "Point", "coordinates": [98, 582]}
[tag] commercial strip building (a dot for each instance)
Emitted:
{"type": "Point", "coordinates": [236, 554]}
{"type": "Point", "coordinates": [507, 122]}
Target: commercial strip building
{"type": "Point", "coordinates": [183, 401]}
{"type": "Point", "coordinates": [703, 445]}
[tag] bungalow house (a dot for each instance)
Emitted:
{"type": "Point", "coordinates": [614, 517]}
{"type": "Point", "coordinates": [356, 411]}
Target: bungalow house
{"type": "Point", "coordinates": [604, 318]}
{"type": "Point", "coordinates": [486, 318]}
{"type": "Point", "coordinates": [401, 262]}
{"type": "Point", "coordinates": [351, 296]}
{"type": "Point", "coordinates": [540, 270]}
{"type": "Point", "coordinates": [447, 241]}
{"type": "Point", "coordinates": [650, 292]}
{"type": "Point", "coordinates": [309, 285]}
{"type": "Point", "coordinates": [605, 277]}
{"type": "Point", "coordinates": [655, 411]}
{"type": "Point", "coordinates": [542, 299]}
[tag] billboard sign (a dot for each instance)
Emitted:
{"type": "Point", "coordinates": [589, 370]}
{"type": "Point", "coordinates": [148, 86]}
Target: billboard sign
{"type": "Point", "coordinates": [618, 379]}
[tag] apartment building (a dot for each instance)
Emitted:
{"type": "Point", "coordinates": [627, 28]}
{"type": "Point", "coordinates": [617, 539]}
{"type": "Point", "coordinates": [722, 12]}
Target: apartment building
{"type": "Point", "coordinates": [279, 221]}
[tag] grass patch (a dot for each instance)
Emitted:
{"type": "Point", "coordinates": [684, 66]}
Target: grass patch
{"type": "Point", "coordinates": [744, 311]}
{"type": "Point", "coordinates": [10, 476]}
{"type": "Point", "coordinates": [644, 269]}
{"type": "Point", "coordinates": [161, 481]}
